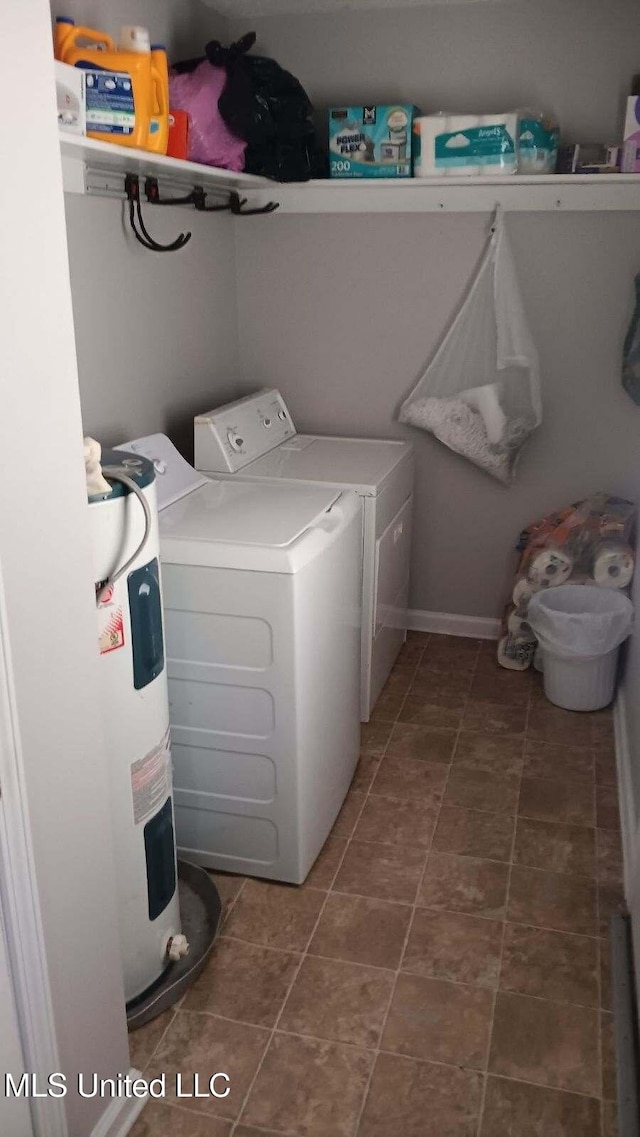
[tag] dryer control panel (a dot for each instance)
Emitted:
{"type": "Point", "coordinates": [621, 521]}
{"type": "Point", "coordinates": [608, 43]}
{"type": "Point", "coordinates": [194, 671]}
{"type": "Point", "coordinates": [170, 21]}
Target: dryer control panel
{"type": "Point", "coordinates": [230, 437]}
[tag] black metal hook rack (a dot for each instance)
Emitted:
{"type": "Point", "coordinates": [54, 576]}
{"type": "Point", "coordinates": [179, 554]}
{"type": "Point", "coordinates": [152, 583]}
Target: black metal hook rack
{"type": "Point", "coordinates": [197, 197]}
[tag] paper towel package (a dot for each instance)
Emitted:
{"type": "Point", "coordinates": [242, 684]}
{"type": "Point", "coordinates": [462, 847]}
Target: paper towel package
{"type": "Point", "coordinates": [457, 146]}
{"type": "Point", "coordinates": [371, 141]}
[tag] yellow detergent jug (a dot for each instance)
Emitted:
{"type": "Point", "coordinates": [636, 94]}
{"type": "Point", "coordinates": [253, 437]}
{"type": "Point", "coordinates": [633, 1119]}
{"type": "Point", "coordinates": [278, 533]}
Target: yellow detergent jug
{"type": "Point", "coordinates": [120, 86]}
{"type": "Point", "coordinates": [159, 126]}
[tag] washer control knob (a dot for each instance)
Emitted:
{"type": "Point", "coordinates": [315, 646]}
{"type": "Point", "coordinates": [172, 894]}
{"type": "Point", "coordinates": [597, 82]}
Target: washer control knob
{"type": "Point", "coordinates": [234, 440]}
{"type": "Point", "coordinates": [266, 422]}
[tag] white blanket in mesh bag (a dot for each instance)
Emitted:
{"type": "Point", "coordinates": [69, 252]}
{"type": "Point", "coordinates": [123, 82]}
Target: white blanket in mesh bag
{"type": "Point", "coordinates": [480, 394]}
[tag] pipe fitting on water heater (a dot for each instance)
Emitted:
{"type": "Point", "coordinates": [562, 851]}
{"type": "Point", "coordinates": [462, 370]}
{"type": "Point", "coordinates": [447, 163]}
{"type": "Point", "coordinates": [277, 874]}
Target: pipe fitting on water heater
{"type": "Point", "coordinates": [177, 947]}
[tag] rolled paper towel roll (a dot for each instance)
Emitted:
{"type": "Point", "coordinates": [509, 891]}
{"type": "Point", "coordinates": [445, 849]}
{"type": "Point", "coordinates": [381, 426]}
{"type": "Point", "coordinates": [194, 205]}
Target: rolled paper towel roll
{"type": "Point", "coordinates": [515, 654]}
{"type": "Point", "coordinates": [519, 627]}
{"type": "Point", "coordinates": [523, 590]}
{"type": "Point", "coordinates": [550, 567]}
{"type": "Point", "coordinates": [613, 565]}
{"type": "Point", "coordinates": [427, 127]}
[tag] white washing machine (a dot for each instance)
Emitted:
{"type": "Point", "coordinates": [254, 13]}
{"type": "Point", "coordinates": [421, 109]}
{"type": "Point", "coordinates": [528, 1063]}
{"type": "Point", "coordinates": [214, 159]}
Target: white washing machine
{"type": "Point", "coordinates": [255, 439]}
{"type": "Point", "coordinates": [261, 596]}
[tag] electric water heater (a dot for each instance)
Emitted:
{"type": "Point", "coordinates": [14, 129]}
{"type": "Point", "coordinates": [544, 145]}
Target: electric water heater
{"type": "Point", "coordinates": [124, 531]}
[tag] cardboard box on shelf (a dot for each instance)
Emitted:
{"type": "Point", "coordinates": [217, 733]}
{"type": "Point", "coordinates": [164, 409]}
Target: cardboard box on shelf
{"type": "Point", "coordinates": [371, 141]}
{"type": "Point", "coordinates": [588, 158]}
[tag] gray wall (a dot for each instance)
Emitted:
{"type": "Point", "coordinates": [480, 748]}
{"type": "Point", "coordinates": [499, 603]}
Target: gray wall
{"type": "Point", "coordinates": [156, 333]}
{"type": "Point", "coordinates": [574, 58]}
{"type": "Point", "coordinates": [361, 303]}
{"type": "Point", "coordinates": [342, 312]}
{"type": "Point", "coordinates": [184, 25]}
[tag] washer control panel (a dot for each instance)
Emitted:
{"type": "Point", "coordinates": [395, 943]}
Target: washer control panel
{"type": "Point", "coordinates": [230, 437]}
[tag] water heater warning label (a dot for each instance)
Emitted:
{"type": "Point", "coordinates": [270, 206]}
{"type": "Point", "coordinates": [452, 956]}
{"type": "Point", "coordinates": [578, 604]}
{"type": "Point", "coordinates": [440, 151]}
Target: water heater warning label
{"type": "Point", "coordinates": [111, 632]}
{"type": "Point", "coordinates": [110, 620]}
{"type": "Point", "coordinates": [151, 780]}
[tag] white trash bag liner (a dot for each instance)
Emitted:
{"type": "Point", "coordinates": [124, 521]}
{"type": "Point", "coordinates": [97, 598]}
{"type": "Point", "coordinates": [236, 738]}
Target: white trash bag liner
{"type": "Point", "coordinates": [580, 622]}
{"type": "Point", "coordinates": [480, 395]}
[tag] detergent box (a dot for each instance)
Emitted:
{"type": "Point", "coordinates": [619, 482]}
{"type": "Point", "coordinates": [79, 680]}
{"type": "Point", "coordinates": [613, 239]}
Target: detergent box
{"type": "Point", "coordinates": [70, 96]}
{"type": "Point", "coordinates": [371, 141]}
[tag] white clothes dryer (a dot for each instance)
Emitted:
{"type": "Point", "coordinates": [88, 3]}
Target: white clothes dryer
{"type": "Point", "coordinates": [255, 439]}
{"type": "Point", "coordinates": [261, 596]}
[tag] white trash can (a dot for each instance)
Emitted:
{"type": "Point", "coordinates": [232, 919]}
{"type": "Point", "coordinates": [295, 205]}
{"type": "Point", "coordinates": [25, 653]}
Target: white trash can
{"type": "Point", "coordinates": [580, 628]}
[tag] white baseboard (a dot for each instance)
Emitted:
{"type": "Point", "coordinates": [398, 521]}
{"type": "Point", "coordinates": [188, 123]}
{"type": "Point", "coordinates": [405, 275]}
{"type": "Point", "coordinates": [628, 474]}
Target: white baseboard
{"type": "Point", "coordinates": [628, 820]}
{"type": "Point", "coordinates": [449, 624]}
{"type": "Point", "coordinates": [118, 1119]}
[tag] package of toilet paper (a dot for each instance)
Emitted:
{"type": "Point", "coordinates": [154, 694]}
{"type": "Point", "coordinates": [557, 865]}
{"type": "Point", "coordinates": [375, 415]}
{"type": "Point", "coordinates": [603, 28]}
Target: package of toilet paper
{"type": "Point", "coordinates": [480, 395]}
{"type": "Point", "coordinates": [523, 142]}
{"type": "Point", "coordinates": [446, 145]}
{"type": "Point", "coordinates": [538, 139]}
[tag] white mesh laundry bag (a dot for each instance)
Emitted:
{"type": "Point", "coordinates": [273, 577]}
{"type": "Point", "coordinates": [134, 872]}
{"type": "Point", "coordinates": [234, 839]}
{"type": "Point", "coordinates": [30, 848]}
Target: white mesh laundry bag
{"type": "Point", "coordinates": [480, 394]}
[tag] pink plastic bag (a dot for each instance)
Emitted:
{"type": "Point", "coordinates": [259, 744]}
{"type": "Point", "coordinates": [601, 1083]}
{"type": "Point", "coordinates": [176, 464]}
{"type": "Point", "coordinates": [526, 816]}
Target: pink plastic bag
{"type": "Point", "coordinates": [210, 141]}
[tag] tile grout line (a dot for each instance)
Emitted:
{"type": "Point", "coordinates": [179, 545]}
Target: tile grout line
{"type": "Point", "coordinates": [506, 916]}
{"type": "Point", "coordinates": [387, 1012]}
{"type": "Point", "coordinates": [429, 908]}
{"type": "Point", "coordinates": [599, 960]}
{"type": "Point", "coordinates": [388, 971]}
{"type": "Point", "coordinates": [483, 1073]}
{"type": "Point", "coordinates": [272, 1031]}
{"type": "Point", "coordinates": [539, 1085]}
{"type": "Point", "coordinates": [378, 758]}
{"type": "Point", "coordinates": [177, 1006]}
{"type": "Point", "coordinates": [365, 1095]}
{"type": "Point", "coordinates": [330, 892]}
{"type": "Point", "coordinates": [600, 1045]}
{"type": "Point", "coordinates": [219, 930]}
{"type": "Point", "coordinates": [160, 1040]}
{"type": "Point", "coordinates": [510, 863]}
{"type": "Point", "coordinates": [234, 901]}
{"type": "Point", "coordinates": [305, 953]}
{"type": "Point", "coordinates": [456, 744]}
{"type": "Point", "coordinates": [414, 906]}
{"type": "Point", "coordinates": [303, 956]}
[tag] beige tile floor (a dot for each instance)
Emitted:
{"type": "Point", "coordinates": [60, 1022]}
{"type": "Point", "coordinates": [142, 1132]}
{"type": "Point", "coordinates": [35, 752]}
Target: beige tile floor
{"type": "Point", "coordinates": [444, 970]}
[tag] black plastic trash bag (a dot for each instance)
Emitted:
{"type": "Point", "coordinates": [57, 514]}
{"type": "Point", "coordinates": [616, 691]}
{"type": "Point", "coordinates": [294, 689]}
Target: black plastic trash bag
{"type": "Point", "coordinates": [267, 106]}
